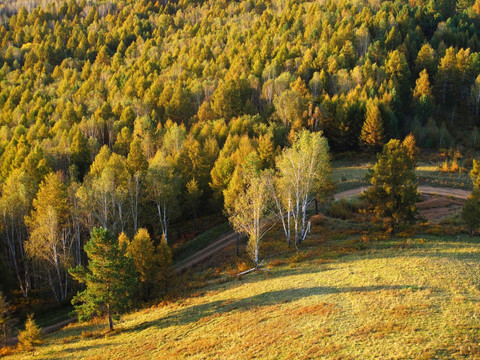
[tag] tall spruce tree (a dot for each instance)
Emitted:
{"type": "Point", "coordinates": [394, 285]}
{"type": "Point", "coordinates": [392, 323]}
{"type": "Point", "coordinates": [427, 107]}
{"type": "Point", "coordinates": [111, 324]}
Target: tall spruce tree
{"type": "Point", "coordinates": [110, 278]}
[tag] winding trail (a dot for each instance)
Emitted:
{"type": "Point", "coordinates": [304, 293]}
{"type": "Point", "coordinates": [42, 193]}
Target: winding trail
{"type": "Point", "coordinates": [230, 237]}
{"type": "Point", "coordinates": [46, 330]}
{"type": "Point", "coordinates": [221, 243]}
{"type": "Point", "coordinates": [424, 189]}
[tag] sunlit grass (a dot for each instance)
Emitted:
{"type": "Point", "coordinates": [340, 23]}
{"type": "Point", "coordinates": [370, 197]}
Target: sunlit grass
{"type": "Point", "coordinates": [349, 175]}
{"type": "Point", "coordinates": [421, 301]}
{"type": "Point", "coordinates": [430, 174]}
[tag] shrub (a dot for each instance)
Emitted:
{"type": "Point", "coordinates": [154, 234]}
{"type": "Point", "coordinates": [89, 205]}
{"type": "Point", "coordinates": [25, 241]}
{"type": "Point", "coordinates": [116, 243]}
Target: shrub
{"type": "Point", "coordinates": [31, 337]}
{"type": "Point", "coordinates": [340, 209]}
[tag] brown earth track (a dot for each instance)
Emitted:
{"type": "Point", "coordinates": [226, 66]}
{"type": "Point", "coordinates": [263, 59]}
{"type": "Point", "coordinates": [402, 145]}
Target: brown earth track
{"type": "Point", "coordinates": [223, 241]}
{"type": "Point", "coordinates": [424, 189]}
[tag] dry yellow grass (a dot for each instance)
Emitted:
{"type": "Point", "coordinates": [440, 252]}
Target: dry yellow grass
{"type": "Point", "coordinates": [421, 302]}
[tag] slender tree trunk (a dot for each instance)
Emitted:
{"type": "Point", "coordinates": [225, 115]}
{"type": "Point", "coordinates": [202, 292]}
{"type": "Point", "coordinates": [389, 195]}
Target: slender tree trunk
{"type": "Point", "coordinates": [53, 287]}
{"type": "Point", "coordinates": [110, 321]}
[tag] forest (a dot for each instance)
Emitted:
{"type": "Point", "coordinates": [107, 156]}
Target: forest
{"type": "Point", "coordinates": [133, 115]}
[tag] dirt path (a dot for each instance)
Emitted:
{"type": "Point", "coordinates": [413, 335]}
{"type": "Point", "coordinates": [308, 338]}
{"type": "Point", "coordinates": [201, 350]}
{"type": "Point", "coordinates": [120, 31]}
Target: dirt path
{"type": "Point", "coordinates": [46, 330]}
{"type": "Point", "coordinates": [222, 242]}
{"type": "Point", "coordinates": [456, 193]}
{"type": "Point", "coordinates": [230, 238]}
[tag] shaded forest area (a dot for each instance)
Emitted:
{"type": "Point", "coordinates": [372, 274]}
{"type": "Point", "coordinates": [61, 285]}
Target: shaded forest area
{"type": "Point", "coordinates": [138, 114]}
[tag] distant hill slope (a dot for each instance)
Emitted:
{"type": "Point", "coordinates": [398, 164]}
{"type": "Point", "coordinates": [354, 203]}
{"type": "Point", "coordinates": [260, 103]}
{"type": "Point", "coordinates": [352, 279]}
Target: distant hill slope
{"type": "Point", "coordinates": [420, 302]}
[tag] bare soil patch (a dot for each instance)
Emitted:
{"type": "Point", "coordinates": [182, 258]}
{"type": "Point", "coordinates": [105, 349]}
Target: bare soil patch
{"type": "Point", "coordinates": [435, 208]}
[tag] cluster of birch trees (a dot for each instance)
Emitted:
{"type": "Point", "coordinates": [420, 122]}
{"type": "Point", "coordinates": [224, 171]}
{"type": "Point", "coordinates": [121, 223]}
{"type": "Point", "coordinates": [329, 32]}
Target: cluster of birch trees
{"type": "Point", "coordinates": [283, 194]}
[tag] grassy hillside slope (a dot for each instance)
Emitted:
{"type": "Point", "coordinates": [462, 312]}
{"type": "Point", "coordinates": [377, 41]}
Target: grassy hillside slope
{"type": "Point", "coordinates": [419, 301]}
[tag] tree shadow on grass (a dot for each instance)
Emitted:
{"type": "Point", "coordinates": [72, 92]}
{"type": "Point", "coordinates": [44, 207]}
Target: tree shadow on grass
{"type": "Point", "coordinates": [195, 313]}
{"type": "Point", "coordinates": [72, 352]}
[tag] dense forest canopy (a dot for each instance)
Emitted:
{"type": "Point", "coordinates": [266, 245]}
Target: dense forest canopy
{"type": "Point", "coordinates": [130, 114]}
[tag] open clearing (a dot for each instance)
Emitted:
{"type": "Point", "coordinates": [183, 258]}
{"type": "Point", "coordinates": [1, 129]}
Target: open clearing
{"type": "Point", "coordinates": [386, 302]}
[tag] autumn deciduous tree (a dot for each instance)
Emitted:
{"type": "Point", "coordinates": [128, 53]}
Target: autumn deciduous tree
{"type": "Point", "coordinates": [251, 213]}
{"type": "Point", "coordinates": [154, 264]}
{"type": "Point", "coordinates": [410, 143]}
{"type": "Point", "coordinates": [372, 135]}
{"type": "Point", "coordinates": [303, 172]}
{"type": "Point", "coordinates": [393, 193]}
{"type": "Point", "coordinates": [163, 188]}
{"type": "Point", "coordinates": [110, 278]}
{"type": "Point", "coordinates": [31, 337]}
{"type": "Point", "coordinates": [166, 274]}
{"type": "Point", "coordinates": [475, 174]}
{"type": "Point", "coordinates": [422, 96]}
{"type": "Point", "coordinates": [50, 240]}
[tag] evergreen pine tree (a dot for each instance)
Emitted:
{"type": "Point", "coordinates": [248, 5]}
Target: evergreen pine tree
{"type": "Point", "coordinates": [393, 193]}
{"type": "Point", "coordinates": [110, 278]}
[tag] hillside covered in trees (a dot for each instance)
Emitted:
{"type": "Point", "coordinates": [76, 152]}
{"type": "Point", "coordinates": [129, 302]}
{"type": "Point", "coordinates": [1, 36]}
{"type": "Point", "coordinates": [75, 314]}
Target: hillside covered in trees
{"type": "Point", "coordinates": [140, 114]}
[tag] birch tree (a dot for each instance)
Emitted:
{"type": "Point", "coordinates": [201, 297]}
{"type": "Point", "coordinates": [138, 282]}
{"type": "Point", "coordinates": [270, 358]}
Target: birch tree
{"type": "Point", "coordinates": [303, 173]}
{"type": "Point", "coordinates": [50, 239]}
{"type": "Point", "coordinates": [163, 189]}
{"type": "Point", "coordinates": [14, 206]}
{"type": "Point", "coordinates": [251, 213]}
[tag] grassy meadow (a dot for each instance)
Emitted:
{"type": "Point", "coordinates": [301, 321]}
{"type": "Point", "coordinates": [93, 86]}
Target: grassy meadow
{"type": "Point", "coordinates": [350, 175]}
{"type": "Point", "coordinates": [351, 292]}
{"type": "Point", "coordinates": [402, 298]}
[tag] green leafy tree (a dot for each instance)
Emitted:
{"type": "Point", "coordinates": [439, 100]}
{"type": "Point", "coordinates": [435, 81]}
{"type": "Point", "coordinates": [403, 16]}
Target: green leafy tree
{"type": "Point", "coordinates": [137, 165]}
{"type": "Point", "coordinates": [110, 278]}
{"type": "Point", "coordinates": [393, 193]}
{"type": "Point", "coordinates": [193, 197]}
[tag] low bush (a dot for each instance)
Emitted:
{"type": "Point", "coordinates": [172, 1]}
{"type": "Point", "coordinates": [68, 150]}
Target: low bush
{"type": "Point", "coordinates": [340, 209]}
